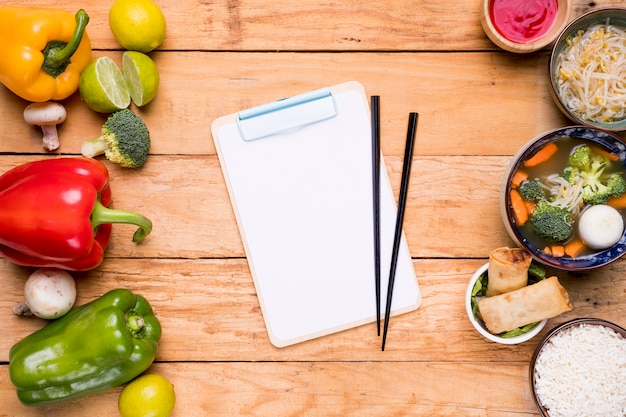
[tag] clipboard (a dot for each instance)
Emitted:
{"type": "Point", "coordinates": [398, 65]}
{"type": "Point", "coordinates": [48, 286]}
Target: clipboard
{"type": "Point", "coordinates": [299, 176]}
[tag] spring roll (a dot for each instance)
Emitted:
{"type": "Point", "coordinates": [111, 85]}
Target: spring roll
{"type": "Point", "coordinates": [508, 270]}
{"type": "Point", "coordinates": [542, 300]}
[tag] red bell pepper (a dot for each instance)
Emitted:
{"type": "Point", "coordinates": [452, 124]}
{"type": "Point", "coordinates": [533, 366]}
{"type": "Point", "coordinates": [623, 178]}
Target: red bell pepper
{"type": "Point", "coordinates": [54, 213]}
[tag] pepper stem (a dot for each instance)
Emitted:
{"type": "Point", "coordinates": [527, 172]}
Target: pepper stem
{"type": "Point", "coordinates": [104, 215]}
{"type": "Point", "coordinates": [136, 324]}
{"type": "Point", "coordinates": [57, 54]}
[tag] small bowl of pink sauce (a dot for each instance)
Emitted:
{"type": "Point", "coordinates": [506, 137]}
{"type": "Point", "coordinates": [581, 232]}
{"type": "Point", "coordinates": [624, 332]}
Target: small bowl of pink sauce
{"type": "Point", "coordinates": [524, 26]}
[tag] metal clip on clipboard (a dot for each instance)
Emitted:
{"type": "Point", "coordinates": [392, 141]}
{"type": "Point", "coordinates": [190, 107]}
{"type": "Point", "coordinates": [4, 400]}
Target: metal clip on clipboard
{"type": "Point", "coordinates": [286, 114]}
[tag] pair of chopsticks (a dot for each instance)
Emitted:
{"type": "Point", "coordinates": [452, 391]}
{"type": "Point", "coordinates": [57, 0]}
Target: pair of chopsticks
{"type": "Point", "coordinates": [404, 185]}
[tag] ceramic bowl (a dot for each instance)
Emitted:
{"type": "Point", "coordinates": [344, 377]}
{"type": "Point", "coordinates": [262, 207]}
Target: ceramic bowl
{"type": "Point", "coordinates": [616, 16]}
{"type": "Point", "coordinates": [480, 326]}
{"type": "Point", "coordinates": [562, 381]}
{"type": "Point", "coordinates": [490, 26]}
{"type": "Point", "coordinates": [607, 140]}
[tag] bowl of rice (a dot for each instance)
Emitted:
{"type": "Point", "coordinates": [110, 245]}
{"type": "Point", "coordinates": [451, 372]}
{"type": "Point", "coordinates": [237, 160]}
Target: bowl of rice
{"type": "Point", "coordinates": [579, 370]}
{"type": "Point", "coordinates": [588, 71]}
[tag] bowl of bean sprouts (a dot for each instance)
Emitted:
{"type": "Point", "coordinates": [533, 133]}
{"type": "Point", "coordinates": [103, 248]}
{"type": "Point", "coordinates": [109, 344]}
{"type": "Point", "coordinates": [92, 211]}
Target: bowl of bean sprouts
{"type": "Point", "coordinates": [588, 69]}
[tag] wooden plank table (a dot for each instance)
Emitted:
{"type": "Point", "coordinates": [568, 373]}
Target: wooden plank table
{"type": "Point", "coordinates": [477, 105]}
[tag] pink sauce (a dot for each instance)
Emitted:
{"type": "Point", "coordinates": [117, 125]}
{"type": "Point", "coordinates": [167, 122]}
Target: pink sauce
{"type": "Point", "coordinates": [523, 21]}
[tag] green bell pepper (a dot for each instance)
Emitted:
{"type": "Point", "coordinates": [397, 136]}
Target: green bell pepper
{"type": "Point", "coordinates": [95, 347]}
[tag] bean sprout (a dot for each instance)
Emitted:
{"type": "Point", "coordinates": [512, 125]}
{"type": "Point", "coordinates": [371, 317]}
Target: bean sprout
{"type": "Point", "coordinates": [564, 194]}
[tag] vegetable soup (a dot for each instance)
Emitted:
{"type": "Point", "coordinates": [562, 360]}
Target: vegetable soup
{"type": "Point", "coordinates": [552, 189]}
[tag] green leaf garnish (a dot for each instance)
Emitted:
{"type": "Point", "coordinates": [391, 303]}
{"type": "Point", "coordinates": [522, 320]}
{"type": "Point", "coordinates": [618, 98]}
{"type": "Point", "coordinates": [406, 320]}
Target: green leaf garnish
{"type": "Point", "coordinates": [517, 332]}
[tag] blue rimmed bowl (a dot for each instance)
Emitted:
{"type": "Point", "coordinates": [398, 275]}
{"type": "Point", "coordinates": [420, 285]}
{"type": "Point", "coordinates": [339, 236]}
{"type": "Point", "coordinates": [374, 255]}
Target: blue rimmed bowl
{"type": "Point", "coordinates": [604, 139]}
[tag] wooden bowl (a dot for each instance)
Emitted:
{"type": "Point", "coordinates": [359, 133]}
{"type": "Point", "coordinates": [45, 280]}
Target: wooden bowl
{"type": "Point", "coordinates": [561, 20]}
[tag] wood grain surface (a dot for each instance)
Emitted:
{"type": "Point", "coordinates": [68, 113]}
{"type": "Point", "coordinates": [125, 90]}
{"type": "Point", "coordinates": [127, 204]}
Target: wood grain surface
{"type": "Point", "coordinates": [477, 105]}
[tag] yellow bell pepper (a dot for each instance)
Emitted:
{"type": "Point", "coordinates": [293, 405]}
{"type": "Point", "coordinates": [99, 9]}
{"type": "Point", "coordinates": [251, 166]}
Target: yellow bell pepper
{"type": "Point", "coordinates": [43, 51]}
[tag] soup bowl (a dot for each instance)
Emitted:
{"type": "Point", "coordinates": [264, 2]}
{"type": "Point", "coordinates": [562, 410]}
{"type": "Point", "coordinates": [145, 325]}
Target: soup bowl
{"type": "Point", "coordinates": [566, 87]}
{"type": "Point", "coordinates": [522, 232]}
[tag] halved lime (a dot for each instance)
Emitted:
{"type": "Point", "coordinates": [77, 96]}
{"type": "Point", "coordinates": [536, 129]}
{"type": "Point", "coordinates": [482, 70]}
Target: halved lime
{"type": "Point", "coordinates": [141, 75]}
{"type": "Point", "coordinates": [103, 87]}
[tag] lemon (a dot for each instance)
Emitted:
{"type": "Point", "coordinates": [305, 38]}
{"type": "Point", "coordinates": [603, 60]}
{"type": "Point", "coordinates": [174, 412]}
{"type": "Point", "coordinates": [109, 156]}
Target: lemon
{"type": "Point", "coordinates": [103, 87]}
{"type": "Point", "coordinates": [142, 76]}
{"type": "Point", "coordinates": [150, 395]}
{"type": "Point", "coordinates": [137, 25]}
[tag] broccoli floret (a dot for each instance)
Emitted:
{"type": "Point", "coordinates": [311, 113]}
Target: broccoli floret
{"type": "Point", "coordinates": [594, 197]}
{"type": "Point", "coordinates": [552, 223]}
{"type": "Point", "coordinates": [600, 193]}
{"type": "Point", "coordinates": [531, 190]}
{"type": "Point", "coordinates": [125, 140]}
{"type": "Point", "coordinates": [571, 174]}
{"type": "Point", "coordinates": [617, 185]}
{"type": "Point", "coordinates": [590, 166]}
{"type": "Point", "coordinates": [580, 157]}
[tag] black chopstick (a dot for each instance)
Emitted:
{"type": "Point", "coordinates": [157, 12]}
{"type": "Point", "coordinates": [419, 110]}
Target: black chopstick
{"type": "Point", "coordinates": [404, 185]}
{"type": "Point", "coordinates": [375, 109]}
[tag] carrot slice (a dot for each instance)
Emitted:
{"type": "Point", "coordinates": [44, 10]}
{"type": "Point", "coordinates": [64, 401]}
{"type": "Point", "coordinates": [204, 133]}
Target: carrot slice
{"type": "Point", "coordinates": [574, 247]}
{"type": "Point", "coordinates": [558, 251]}
{"type": "Point", "coordinates": [519, 177]}
{"type": "Point", "coordinates": [617, 202]}
{"type": "Point", "coordinates": [519, 208]}
{"type": "Point", "coordinates": [610, 156]}
{"type": "Point", "coordinates": [547, 250]}
{"type": "Point", "coordinates": [530, 206]}
{"type": "Point", "coordinates": [542, 155]}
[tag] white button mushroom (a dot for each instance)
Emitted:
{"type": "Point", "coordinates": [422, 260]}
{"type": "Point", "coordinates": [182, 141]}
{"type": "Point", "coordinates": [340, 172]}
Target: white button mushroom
{"type": "Point", "coordinates": [49, 293]}
{"type": "Point", "coordinates": [600, 226]}
{"type": "Point", "coordinates": [47, 115]}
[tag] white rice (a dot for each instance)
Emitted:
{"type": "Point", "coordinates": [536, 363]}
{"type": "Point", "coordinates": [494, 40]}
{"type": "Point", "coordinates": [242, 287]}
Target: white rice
{"type": "Point", "coordinates": [581, 372]}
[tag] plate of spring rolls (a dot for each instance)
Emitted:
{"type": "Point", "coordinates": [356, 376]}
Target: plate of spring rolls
{"type": "Point", "coordinates": [510, 298]}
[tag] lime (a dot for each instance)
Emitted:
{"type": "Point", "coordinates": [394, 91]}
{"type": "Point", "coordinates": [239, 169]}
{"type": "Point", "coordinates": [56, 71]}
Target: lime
{"type": "Point", "coordinates": [103, 87]}
{"type": "Point", "coordinates": [150, 395]}
{"type": "Point", "coordinates": [137, 25]}
{"type": "Point", "coordinates": [142, 76]}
